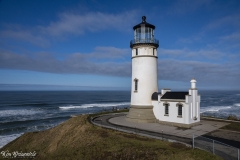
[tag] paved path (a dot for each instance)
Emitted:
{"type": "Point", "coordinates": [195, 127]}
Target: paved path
{"type": "Point", "coordinates": [156, 130]}
{"type": "Point", "coordinates": [204, 127]}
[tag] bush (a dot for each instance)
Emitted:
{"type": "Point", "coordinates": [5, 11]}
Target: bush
{"type": "Point", "coordinates": [232, 117]}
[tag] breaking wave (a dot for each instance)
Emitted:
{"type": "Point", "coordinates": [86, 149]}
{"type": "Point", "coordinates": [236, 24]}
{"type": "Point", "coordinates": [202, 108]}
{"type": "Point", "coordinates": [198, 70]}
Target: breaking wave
{"type": "Point", "coordinates": [214, 108]}
{"type": "Point", "coordinates": [5, 139]}
{"type": "Point", "coordinates": [237, 104]}
{"type": "Point", "coordinates": [94, 105]}
{"type": "Point", "coordinates": [7, 113]}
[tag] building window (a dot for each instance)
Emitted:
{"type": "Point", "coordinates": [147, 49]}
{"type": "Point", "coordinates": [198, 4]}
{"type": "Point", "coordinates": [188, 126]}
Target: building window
{"type": "Point", "coordinates": [136, 51]}
{"type": "Point", "coordinates": [179, 110]}
{"type": "Point", "coordinates": [136, 84]}
{"type": "Point", "coordinates": [166, 109]}
{"type": "Point", "coordinates": [153, 51]}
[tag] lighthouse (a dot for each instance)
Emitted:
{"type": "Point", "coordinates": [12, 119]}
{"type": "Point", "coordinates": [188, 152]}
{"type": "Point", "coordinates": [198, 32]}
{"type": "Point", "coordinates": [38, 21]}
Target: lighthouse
{"type": "Point", "coordinates": [144, 72]}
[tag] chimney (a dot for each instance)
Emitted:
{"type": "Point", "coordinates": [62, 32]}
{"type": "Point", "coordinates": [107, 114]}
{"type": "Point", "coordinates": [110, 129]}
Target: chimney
{"type": "Point", "coordinates": [193, 83]}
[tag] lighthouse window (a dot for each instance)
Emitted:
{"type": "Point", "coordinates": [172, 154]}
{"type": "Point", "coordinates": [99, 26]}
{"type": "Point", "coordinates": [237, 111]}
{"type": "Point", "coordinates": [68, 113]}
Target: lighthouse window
{"type": "Point", "coordinates": [136, 84]}
{"type": "Point", "coordinates": [136, 51]}
{"type": "Point", "coordinates": [166, 109]}
{"type": "Point", "coordinates": [179, 110]}
{"type": "Point", "coordinates": [153, 51]}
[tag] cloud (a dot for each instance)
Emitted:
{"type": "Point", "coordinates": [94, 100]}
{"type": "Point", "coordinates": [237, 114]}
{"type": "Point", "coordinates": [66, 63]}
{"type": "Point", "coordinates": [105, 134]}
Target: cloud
{"type": "Point", "coordinates": [76, 63]}
{"type": "Point", "coordinates": [171, 52]}
{"type": "Point", "coordinates": [27, 36]}
{"type": "Point", "coordinates": [222, 33]}
{"type": "Point", "coordinates": [230, 21]}
{"type": "Point", "coordinates": [207, 54]}
{"type": "Point", "coordinates": [185, 6]}
{"type": "Point", "coordinates": [70, 24]}
{"type": "Point", "coordinates": [202, 54]}
{"type": "Point", "coordinates": [220, 74]}
{"type": "Point", "coordinates": [234, 37]}
{"type": "Point", "coordinates": [109, 53]}
{"type": "Point", "coordinates": [227, 74]}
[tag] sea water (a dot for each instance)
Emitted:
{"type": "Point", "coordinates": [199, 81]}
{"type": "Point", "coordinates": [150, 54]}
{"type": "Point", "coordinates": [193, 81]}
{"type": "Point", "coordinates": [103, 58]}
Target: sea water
{"type": "Point", "coordinates": [27, 111]}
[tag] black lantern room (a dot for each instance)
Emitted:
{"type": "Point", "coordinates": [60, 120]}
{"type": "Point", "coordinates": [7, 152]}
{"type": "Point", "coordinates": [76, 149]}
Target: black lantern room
{"type": "Point", "coordinates": [144, 34]}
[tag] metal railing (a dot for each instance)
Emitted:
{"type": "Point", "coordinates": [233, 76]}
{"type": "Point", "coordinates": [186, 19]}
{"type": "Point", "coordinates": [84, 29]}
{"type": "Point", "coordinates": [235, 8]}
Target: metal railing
{"type": "Point", "coordinates": [146, 40]}
{"type": "Point", "coordinates": [215, 147]}
{"type": "Point", "coordinates": [223, 150]}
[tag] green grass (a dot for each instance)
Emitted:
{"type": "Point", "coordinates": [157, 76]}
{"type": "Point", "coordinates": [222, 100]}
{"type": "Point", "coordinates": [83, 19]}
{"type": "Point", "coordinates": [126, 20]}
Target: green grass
{"type": "Point", "coordinates": [233, 127]}
{"type": "Point", "coordinates": [78, 139]}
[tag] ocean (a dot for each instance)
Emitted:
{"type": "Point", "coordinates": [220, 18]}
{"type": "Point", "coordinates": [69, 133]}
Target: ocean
{"type": "Point", "coordinates": [28, 111]}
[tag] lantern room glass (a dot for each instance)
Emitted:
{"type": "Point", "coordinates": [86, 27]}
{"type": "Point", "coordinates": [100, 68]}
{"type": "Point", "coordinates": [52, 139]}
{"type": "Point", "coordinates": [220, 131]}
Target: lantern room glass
{"type": "Point", "coordinates": [144, 34]}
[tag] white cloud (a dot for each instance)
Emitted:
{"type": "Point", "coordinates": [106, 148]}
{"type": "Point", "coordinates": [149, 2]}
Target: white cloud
{"type": "Point", "coordinates": [171, 52]}
{"type": "Point", "coordinates": [222, 74]}
{"type": "Point", "coordinates": [198, 55]}
{"type": "Point", "coordinates": [29, 36]}
{"type": "Point", "coordinates": [222, 33]}
{"type": "Point", "coordinates": [74, 63]}
{"type": "Point", "coordinates": [185, 6]}
{"type": "Point", "coordinates": [227, 74]}
{"type": "Point", "coordinates": [234, 37]}
{"type": "Point", "coordinates": [230, 21]}
{"type": "Point", "coordinates": [70, 23]}
{"type": "Point", "coordinates": [109, 52]}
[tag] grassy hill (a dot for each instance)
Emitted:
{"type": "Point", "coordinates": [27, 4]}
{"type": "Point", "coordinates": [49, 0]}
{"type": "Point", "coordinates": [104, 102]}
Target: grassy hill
{"type": "Point", "coordinates": [78, 139]}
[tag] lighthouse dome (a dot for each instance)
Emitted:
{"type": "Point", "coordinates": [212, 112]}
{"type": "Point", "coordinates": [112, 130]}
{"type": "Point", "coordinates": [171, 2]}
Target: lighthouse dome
{"type": "Point", "coordinates": [144, 23]}
{"type": "Point", "coordinates": [144, 34]}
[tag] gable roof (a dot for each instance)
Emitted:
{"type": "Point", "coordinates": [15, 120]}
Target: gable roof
{"type": "Point", "coordinates": [174, 95]}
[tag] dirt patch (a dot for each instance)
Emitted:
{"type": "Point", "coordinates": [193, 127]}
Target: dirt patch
{"type": "Point", "coordinates": [135, 137]}
{"type": "Point", "coordinates": [178, 145]}
{"type": "Point", "coordinates": [103, 134]}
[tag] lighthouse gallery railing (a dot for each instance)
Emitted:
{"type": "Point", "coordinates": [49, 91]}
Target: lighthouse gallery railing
{"type": "Point", "coordinates": [146, 40]}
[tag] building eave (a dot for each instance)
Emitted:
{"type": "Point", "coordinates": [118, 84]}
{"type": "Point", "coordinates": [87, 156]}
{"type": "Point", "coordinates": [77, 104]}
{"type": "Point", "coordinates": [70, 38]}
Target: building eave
{"type": "Point", "coordinates": [173, 100]}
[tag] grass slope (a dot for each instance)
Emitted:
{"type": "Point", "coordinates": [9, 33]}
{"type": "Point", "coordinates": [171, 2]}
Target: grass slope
{"type": "Point", "coordinates": [78, 139]}
{"type": "Point", "coordinates": [233, 127]}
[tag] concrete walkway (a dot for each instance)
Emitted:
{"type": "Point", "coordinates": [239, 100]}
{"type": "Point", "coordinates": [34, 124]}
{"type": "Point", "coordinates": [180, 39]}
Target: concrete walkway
{"type": "Point", "coordinates": [204, 127]}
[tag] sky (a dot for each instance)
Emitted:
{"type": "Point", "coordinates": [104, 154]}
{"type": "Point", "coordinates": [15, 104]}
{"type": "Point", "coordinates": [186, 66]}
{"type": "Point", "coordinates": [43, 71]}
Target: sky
{"type": "Point", "coordinates": [85, 44]}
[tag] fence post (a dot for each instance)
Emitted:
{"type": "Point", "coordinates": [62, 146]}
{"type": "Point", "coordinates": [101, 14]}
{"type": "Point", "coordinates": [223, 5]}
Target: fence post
{"type": "Point", "coordinates": [238, 155]}
{"type": "Point", "coordinates": [213, 147]}
{"type": "Point", "coordinates": [193, 141]}
{"type": "Point", "coordinates": [162, 135]}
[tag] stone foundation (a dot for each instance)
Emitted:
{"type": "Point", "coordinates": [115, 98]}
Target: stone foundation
{"type": "Point", "coordinates": [141, 114]}
{"type": "Point", "coordinates": [179, 124]}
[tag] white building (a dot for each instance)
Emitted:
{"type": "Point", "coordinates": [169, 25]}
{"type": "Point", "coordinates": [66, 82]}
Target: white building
{"type": "Point", "coordinates": [180, 109]}
{"type": "Point", "coordinates": [147, 105]}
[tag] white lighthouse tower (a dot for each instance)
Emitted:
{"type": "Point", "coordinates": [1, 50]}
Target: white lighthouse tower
{"type": "Point", "coordinates": [144, 72]}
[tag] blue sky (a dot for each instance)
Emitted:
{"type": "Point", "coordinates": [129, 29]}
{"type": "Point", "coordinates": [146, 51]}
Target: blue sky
{"type": "Point", "coordinates": [85, 44]}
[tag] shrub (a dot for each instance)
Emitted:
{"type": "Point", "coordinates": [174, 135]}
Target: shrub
{"type": "Point", "coordinates": [232, 117]}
